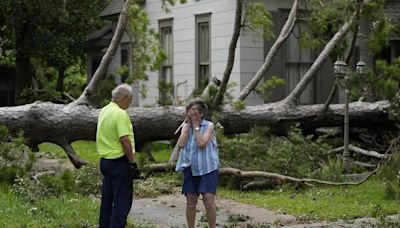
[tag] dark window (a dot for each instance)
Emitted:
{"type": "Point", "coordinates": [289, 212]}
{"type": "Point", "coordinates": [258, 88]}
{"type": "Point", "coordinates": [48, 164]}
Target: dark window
{"type": "Point", "coordinates": [202, 50]}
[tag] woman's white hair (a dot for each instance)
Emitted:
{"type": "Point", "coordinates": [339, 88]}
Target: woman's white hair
{"type": "Point", "coordinates": [121, 91]}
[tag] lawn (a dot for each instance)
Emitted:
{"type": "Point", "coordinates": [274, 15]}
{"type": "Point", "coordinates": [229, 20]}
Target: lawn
{"type": "Point", "coordinates": [323, 202]}
{"type": "Point", "coordinates": [319, 203]}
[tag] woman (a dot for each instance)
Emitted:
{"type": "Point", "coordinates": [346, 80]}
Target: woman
{"type": "Point", "coordinates": [199, 162]}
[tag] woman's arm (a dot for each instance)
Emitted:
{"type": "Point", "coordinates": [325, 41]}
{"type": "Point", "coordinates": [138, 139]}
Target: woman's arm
{"type": "Point", "coordinates": [202, 140]}
{"type": "Point", "coordinates": [184, 136]}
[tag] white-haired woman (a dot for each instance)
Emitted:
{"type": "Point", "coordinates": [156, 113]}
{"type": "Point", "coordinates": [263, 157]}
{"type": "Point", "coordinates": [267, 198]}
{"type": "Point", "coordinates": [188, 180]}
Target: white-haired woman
{"type": "Point", "coordinates": [199, 162]}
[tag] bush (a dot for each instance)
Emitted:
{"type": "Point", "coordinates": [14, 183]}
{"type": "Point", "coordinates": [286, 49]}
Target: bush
{"type": "Point", "coordinates": [390, 175]}
{"type": "Point", "coordinates": [47, 185]}
{"type": "Point", "coordinates": [295, 155]}
{"type": "Point", "coordinates": [88, 180]}
{"type": "Point", "coordinates": [15, 157]}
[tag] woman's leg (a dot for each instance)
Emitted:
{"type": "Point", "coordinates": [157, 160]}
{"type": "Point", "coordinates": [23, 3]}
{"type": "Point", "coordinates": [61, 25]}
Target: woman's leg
{"type": "Point", "coordinates": [211, 211]}
{"type": "Point", "coordinates": [191, 202]}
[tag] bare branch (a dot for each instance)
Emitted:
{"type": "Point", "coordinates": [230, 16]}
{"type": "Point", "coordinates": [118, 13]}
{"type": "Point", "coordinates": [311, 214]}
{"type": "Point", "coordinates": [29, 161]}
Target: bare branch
{"type": "Point", "coordinates": [348, 58]}
{"type": "Point", "coordinates": [231, 56]}
{"type": "Point", "coordinates": [369, 153]}
{"type": "Point", "coordinates": [278, 178]}
{"type": "Point", "coordinates": [285, 32]}
{"type": "Point", "coordinates": [73, 157]}
{"type": "Point", "coordinates": [101, 71]}
{"type": "Point", "coordinates": [38, 175]}
{"type": "Point", "coordinates": [322, 57]}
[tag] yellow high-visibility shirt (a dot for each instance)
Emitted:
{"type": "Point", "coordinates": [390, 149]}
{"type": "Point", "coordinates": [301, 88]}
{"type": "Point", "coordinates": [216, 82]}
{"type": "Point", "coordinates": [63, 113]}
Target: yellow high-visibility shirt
{"type": "Point", "coordinates": [112, 124]}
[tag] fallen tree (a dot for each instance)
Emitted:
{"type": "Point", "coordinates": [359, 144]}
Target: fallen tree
{"type": "Point", "coordinates": [64, 124]}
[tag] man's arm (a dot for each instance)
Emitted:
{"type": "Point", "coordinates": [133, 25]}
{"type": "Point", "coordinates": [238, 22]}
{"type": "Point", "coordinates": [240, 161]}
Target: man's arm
{"type": "Point", "coordinates": [127, 146]}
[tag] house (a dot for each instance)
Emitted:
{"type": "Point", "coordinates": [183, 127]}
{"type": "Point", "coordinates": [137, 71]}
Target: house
{"type": "Point", "coordinates": [196, 36]}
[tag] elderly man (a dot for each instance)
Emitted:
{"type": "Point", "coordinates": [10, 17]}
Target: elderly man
{"type": "Point", "coordinates": [115, 144]}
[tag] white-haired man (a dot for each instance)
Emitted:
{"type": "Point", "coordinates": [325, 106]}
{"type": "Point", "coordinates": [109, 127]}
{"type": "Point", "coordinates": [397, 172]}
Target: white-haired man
{"type": "Point", "coordinates": [115, 144]}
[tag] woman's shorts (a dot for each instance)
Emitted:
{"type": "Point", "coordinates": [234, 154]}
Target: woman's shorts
{"type": "Point", "coordinates": [206, 183]}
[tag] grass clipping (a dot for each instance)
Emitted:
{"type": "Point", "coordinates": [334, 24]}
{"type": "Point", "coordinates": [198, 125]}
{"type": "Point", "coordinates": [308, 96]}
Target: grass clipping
{"type": "Point", "coordinates": [153, 187]}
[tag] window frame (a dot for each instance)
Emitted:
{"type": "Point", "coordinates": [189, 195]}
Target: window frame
{"type": "Point", "coordinates": [201, 19]}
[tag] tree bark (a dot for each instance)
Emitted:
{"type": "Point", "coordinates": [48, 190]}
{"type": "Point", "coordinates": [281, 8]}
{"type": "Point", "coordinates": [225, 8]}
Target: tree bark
{"type": "Point", "coordinates": [278, 179]}
{"type": "Point", "coordinates": [63, 124]}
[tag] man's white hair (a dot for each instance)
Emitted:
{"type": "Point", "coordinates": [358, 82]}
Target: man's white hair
{"type": "Point", "coordinates": [121, 91]}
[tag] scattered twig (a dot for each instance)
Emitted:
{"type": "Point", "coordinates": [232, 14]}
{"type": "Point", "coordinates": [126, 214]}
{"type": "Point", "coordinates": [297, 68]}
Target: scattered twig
{"type": "Point", "coordinates": [38, 175]}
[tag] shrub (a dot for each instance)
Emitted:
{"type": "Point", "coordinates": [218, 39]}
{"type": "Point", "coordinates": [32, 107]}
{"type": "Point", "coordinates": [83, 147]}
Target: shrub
{"type": "Point", "coordinates": [295, 155]}
{"type": "Point", "coordinates": [390, 175]}
{"type": "Point", "coordinates": [46, 185]}
{"type": "Point", "coordinates": [88, 180]}
{"type": "Point", "coordinates": [15, 157]}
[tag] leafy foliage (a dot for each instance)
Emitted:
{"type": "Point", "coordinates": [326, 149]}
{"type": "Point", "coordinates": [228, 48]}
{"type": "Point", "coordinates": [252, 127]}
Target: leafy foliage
{"type": "Point", "coordinates": [325, 20]}
{"type": "Point", "coordinates": [46, 83]}
{"type": "Point", "coordinates": [15, 157]}
{"type": "Point", "coordinates": [52, 32]}
{"type": "Point", "coordinates": [47, 185]}
{"type": "Point", "coordinates": [390, 176]}
{"type": "Point", "coordinates": [295, 155]}
{"type": "Point", "coordinates": [88, 180]}
{"type": "Point", "coordinates": [257, 18]}
{"type": "Point", "coordinates": [265, 90]}
{"type": "Point", "coordinates": [166, 90]}
{"type": "Point", "coordinates": [146, 50]}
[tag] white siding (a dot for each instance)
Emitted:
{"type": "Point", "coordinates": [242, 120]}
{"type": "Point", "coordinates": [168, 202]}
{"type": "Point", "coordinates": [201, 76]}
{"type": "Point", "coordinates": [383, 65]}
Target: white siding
{"type": "Point", "coordinates": [252, 53]}
{"type": "Point", "coordinates": [222, 18]}
{"type": "Point", "coordinates": [249, 53]}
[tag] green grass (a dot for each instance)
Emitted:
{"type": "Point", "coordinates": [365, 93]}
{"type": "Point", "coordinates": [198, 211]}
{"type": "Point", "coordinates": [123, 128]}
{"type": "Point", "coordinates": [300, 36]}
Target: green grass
{"type": "Point", "coordinates": [324, 202]}
{"type": "Point", "coordinates": [85, 149]}
{"type": "Point", "coordinates": [67, 210]}
{"type": "Point", "coordinates": [161, 151]}
{"type": "Point", "coordinates": [70, 210]}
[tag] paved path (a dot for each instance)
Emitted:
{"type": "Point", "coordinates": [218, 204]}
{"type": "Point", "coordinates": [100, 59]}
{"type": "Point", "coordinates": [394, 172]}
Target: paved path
{"type": "Point", "coordinates": [169, 211]}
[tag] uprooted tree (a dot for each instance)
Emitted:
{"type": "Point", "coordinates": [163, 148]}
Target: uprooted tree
{"type": "Point", "coordinates": [63, 124]}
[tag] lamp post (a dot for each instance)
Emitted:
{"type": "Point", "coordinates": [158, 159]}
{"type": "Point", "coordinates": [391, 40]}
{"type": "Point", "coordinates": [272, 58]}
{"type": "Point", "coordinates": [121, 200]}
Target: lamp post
{"type": "Point", "coordinates": [342, 72]}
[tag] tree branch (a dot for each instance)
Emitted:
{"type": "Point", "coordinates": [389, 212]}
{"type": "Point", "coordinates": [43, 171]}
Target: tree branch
{"type": "Point", "coordinates": [322, 57]}
{"type": "Point", "coordinates": [348, 58]}
{"type": "Point", "coordinates": [99, 75]}
{"type": "Point", "coordinates": [231, 56]}
{"type": "Point", "coordinates": [285, 32]}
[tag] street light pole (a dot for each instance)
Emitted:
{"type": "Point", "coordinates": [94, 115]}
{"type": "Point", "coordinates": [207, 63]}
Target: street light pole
{"type": "Point", "coordinates": [342, 72]}
{"type": "Point", "coordinates": [346, 153]}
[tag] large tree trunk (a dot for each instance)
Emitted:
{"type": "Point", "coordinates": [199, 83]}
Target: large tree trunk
{"type": "Point", "coordinates": [63, 124]}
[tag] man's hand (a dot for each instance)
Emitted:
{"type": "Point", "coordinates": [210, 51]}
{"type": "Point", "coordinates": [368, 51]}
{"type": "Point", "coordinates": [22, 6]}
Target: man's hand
{"type": "Point", "coordinates": [135, 171]}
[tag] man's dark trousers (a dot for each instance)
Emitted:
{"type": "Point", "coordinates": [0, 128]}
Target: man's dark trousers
{"type": "Point", "coordinates": [117, 191]}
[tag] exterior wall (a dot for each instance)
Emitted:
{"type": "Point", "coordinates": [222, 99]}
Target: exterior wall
{"type": "Point", "coordinates": [324, 80]}
{"type": "Point", "coordinates": [183, 25]}
{"type": "Point", "coordinates": [250, 51]}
